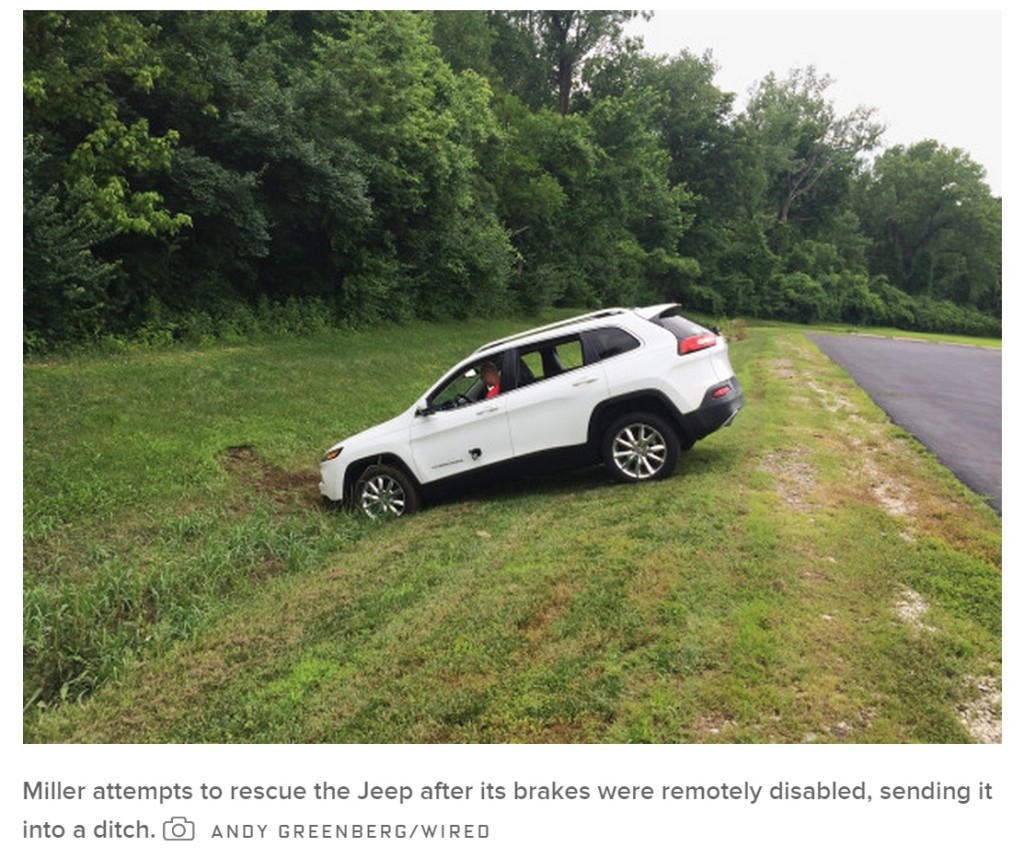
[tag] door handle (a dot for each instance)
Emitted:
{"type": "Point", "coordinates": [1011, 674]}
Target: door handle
{"type": "Point", "coordinates": [490, 410]}
{"type": "Point", "coordinates": [585, 381]}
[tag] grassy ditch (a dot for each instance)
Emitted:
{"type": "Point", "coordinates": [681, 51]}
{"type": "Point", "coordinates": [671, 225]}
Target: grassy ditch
{"type": "Point", "coordinates": [810, 573]}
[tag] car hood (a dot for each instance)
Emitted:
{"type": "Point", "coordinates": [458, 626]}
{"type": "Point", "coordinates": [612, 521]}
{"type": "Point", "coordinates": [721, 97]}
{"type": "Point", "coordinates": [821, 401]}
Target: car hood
{"type": "Point", "coordinates": [396, 425]}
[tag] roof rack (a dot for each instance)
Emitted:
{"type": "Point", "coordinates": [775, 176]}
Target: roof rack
{"type": "Point", "coordinates": [596, 314]}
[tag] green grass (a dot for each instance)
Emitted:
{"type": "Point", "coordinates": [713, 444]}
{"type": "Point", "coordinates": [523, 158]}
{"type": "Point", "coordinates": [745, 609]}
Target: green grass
{"type": "Point", "coordinates": [810, 573]}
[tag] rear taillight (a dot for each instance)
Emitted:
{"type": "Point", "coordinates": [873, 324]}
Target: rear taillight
{"type": "Point", "coordinates": [719, 392]}
{"type": "Point", "coordinates": [695, 344]}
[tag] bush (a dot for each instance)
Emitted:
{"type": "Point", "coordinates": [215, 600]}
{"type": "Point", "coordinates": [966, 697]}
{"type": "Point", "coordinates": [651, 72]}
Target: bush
{"type": "Point", "coordinates": [947, 318]}
{"type": "Point", "coordinates": [553, 285]}
{"type": "Point", "coordinates": [897, 305]}
{"type": "Point", "coordinates": [378, 292]}
{"type": "Point", "coordinates": [798, 297]}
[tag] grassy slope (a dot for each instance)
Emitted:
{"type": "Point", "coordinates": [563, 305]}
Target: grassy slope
{"type": "Point", "coordinates": [810, 574]}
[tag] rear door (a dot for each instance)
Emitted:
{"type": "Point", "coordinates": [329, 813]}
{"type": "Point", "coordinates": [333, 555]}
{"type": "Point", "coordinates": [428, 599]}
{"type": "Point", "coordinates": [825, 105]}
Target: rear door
{"type": "Point", "coordinates": [556, 393]}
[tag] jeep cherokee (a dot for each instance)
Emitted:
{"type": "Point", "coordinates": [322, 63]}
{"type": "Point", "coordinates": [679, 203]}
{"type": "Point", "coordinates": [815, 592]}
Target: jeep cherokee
{"type": "Point", "coordinates": [626, 387]}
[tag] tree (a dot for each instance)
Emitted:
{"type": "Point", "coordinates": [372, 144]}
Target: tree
{"type": "Point", "coordinates": [185, 167]}
{"type": "Point", "coordinates": [100, 158]}
{"type": "Point", "coordinates": [466, 41]}
{"type": "Point", "coordinates": [935, 227]}
{"type": "Point", "coordinates": [419, 127]}
{"type": "Point", "coordinates": [804, 142]}
{"type": "Point", "coordinates": [63, 283]}
{"type": "Point", "coordinates": [555, 47]}
{"type": "Point", "coordinates": [83, 73]}
{"type": "Point", "coordinates": [709, 156]}
{"type": "Point", "coordinates": [642, 215]}
{"type": "Point", "coordinates": [541, 174]}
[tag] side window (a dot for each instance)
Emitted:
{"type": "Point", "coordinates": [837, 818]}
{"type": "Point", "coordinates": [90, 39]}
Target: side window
{"type": "Point", "coordinates": [534, 365]}
{"type": "Point", "coordinates": [571, 354]}
{"type": "Point", "coordinates": [605, 343]}
{"type": "Point", "coordinates": [472, 383]}
{"type": "Point", "coordinates": [546, 360]}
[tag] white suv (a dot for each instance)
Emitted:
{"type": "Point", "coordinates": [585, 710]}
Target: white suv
{"type": "Point", "coordinates": [629, 388]}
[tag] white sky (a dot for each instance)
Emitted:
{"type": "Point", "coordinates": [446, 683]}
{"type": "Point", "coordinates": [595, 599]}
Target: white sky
{"type": "Point", "coordinates": [929, 74]}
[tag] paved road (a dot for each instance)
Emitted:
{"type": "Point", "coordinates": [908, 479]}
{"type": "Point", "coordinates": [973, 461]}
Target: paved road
{"type": "Point", "coordinates": [948, 397]}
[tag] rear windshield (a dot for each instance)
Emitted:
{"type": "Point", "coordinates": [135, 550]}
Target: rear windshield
{"type": "Point", "coordinates": [679, 326]}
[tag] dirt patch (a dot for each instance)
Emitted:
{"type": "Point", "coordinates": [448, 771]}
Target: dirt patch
{"type": "Point", "coordinates": [887, 490]}
{"type": "Point", "coordinates": [287, 488]}
{"type": "Point", "coordinates": [794, 474]}
{"type": "Point", "coordinates": [910, 608]}
{"type": "Point", "coordinates": [894, 497]}
{"type": "Point", "coordinates": [832, 401]}
{"type": "Point", "coordinates": [982, 716]}
{"type": "Point", "coordinates": [714, 725]}
{"type": "Point", "coordinates": [782, 368]}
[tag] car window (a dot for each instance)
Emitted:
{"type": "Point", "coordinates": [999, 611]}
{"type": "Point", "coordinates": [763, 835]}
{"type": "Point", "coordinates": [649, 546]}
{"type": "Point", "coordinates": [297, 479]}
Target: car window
{"type": "Point", "coordinates": [534, 364]}
{"type": "Point", "coordinates": [571, 354]}
{"type": "Point", "coordinates": [604, 343]}
{"type": "Point", "coordinates": [679, 326]}
{"type": "Point", "coordinates": [548, 359]}
{"type": "Point", "coordinates": [471, 383]}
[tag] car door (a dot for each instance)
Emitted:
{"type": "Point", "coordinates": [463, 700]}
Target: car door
{"type": "Point", "coordinates": [468, 432]}
{"type": "Point", "coordinates": [551, 406]}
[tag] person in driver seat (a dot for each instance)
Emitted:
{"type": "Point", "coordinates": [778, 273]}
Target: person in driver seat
{"type": "Point", "coordinates": [491, 378]}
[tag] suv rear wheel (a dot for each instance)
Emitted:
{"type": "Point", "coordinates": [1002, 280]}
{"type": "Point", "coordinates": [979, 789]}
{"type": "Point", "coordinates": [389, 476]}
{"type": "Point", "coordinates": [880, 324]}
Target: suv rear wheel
{"type": "Point", "coordinates": [640, 447]}
{"type": "Point", "coordinates": [384, 491]}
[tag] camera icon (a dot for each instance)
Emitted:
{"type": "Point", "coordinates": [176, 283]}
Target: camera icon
{"type": "Point", "coordinates": [179, 828]}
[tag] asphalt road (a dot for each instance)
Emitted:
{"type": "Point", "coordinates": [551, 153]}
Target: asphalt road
{"type": "Point", "coordinates": [949, 397]}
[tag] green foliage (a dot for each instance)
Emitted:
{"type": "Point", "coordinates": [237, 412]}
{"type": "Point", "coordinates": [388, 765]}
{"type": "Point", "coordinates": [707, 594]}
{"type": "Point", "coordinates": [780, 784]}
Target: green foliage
{"type": "Point", "coordinates": [64, 283]}
{"type": "Point", "coordinates": [945, 316]}
{"type": "Point", "coordinates": [935, 227]}
{"type": "Point", "coordinates": [807, 148]}
{"type": "Point", "coordinates": [798, 297]}
{"type": "Point", "coordinates": [466, 41]}
{"type": "Point", "coordinates": [545, 53]}
{"type": "Point", "coordinates": [421, 127]}
{"type": "Point", "coordinates": [852, 300]}
{"type": "Point", "coordinates": [81, 72]}
{"type": "Point", "coordinates": [378, 165]}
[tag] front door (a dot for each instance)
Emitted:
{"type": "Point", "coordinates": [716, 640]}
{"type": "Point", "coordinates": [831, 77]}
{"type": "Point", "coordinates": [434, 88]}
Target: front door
{"type": "Point", "coordinates": [463, 429]}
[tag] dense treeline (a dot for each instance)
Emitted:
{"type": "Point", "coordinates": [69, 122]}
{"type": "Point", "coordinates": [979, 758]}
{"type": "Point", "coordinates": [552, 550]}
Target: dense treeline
{"type": "Point", "coordinates": [191, 174]}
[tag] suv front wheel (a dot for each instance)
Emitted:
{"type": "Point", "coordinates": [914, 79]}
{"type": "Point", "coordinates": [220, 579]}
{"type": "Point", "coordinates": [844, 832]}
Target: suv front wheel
{"type": "Point", "coordinates": [384, 491]}
{"type": "Point", "coordinates": [640, 447]}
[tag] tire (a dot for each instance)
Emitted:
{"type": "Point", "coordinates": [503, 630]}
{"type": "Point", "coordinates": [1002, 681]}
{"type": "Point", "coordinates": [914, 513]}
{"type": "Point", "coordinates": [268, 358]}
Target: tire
{"type": "Point", "coordinates": [639, 448]}
{"type": "Point", "coordinates": [384, 491]}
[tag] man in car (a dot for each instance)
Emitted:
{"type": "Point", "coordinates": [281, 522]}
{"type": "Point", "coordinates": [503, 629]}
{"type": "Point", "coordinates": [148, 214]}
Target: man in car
{"type": "Point", "coordinates": [491, 378]}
